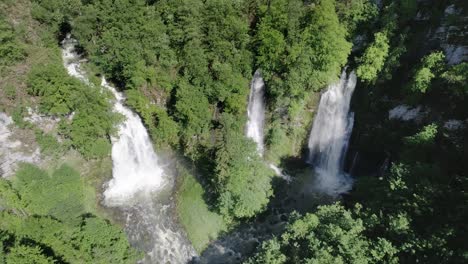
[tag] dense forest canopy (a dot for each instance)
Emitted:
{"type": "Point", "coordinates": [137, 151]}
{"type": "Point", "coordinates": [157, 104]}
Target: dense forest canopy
{"type": "Point", "coordinates": [185, 67]}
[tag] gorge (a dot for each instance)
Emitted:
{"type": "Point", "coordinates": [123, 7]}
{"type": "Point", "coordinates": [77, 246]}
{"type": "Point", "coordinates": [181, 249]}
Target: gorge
{"type": "Point", "coordinates": [248, 131]}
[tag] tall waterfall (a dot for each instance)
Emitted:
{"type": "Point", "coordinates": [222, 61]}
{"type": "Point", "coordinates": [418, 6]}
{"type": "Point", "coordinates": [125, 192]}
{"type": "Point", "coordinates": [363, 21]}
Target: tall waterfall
{"type": "Point", "coordinates": [330, 134]}
{"type": "Point", "coordinates": [140, 188]}
{"type": "Point", "coordinates": [256, 111]}
{"type": "Point", "coordinates": [256, 118]}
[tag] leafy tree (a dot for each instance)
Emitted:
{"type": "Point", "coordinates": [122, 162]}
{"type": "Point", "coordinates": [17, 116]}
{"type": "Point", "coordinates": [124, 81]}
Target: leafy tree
{"type": "Point", "coordinates": [242, 180]}
{"type": "Point", "coordinates": [27, 254]}
{"type": "Point", "coordinates": [354, 12]}
{"type": "Point", "coordinates": [57, 90]}
{"type": "Point", "coordinates": [373, 59]}
{"type": "Point", "coordinates": [431, 65]}
{"type": "Point", "coordinates": [456, 76]}
{"type": "Point", "coordinates": [59, 195]}
{"type": "Point", "coordinates": [42, 220]}
{"type": "Point", "coordinates": [194, 115]}
{"type": "Point", "coordinates": [330, 235]}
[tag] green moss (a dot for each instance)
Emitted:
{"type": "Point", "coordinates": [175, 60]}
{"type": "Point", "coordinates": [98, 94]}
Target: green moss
{"type": "Point", "coordinates": [201, 224]}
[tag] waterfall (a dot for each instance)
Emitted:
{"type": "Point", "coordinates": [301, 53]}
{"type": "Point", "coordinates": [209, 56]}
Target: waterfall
{"type": "Point", "coordinates": [256, 111]}
{"type": "Point", "coordinates": [140, 188]}
{"type": "Point", "coordinates": [135, 166]}
{"type": "Point", "coordinates": [329, 137]}
{"type": "Point", "coordinates": [256, 118]}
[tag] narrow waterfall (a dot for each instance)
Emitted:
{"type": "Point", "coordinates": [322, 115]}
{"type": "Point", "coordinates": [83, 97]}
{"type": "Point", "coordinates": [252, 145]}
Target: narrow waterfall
{"type": "Point", "coordinates": [330, 134]}
{"type": "Point", "coordinates": [140, 188]}
{"type": "Point", "coordinates": [256, 118]}
{"type": "Point", "coordinates": [256, 111]}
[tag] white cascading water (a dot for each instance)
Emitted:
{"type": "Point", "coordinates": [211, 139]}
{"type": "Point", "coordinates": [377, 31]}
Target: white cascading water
{"type": "Point", "coordinates": [135, 166]}
{"type": "Point", "coordinates": [329, 137]}
{"type": "Point", "coordinates": [256, 118]}
{"type": "Point", "coordinates": [256, 111]}
{"type": "Point", "coordinates": [139, 187]}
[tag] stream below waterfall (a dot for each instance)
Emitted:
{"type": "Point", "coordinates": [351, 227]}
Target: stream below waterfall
{"type": "Point", "coordinates": [141, 190]}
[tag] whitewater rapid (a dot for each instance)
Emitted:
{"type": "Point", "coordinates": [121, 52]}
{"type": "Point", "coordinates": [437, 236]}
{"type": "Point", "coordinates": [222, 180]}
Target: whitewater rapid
{"type": "Point", "coordinates": [329, 137]}
{"type": "Point", "coordinates": [140, 188]}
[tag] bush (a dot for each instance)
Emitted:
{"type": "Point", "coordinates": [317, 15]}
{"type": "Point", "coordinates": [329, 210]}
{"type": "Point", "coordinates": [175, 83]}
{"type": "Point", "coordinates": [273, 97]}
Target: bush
{"type": "Point", "coordinates": [430, 66]}
{"type": "Point", "coordinates": [58, 91]}
{"type": "Point", "coordinates": [46, 222]}
{"type": "Point", "coordinates": [372, 61]}
{"type": "Point", "coordinates": [10, 48]}
{"type": "Point", "coordinates": [48, 143]}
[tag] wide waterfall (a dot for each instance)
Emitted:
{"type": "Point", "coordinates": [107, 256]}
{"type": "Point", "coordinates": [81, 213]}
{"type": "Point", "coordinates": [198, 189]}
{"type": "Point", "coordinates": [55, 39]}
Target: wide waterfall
{"type": "Point", "coordinates": [256, 111]}
{"type": "Point", "coordinates": [330, 134]}
{"type": "Point", "coordinates": [140, 188]}
{"type": "Point", "coordinates": [135, 166]}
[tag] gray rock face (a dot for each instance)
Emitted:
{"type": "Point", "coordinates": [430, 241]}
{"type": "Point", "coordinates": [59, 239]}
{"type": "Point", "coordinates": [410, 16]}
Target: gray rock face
{"type": "Point", "coordinates": [452, 35]}
{"type": "Point", "coordinates": [12, 150]}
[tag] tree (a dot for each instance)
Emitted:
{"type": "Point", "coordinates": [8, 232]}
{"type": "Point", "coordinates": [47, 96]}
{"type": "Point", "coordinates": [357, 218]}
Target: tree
{"type": "Point", "coordinates": [242, 180]}
{"type": "Point", "coordinates": [43, 220]}
{"type": "Point", "coordinates": [354, 12]}
{"type": "Point", "coordinates": [194, 115]}
{"type": "Point", "coordinates": [373, 59]}
{"type": "Point", "coordinates": [27, 255]}
{"type": "Point", "coordinates": [330, 235]}
{"type": "Point", "coordinates": [430, 66]}
{"type": "Point", "coordinates": [457, 77]}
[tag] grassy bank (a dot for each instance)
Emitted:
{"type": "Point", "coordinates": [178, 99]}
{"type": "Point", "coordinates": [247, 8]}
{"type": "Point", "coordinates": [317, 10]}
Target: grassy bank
{"type": "Point", "coordinates": [201, 224]}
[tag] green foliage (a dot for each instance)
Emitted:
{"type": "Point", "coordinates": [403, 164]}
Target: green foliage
{"type": "Point", "coordinates": [59, 195]}
{"type": "Point", "coordinates": [10, 91]}
{"type": "Point", "coordinates": [431, 65]}
{"type": "Point", "coordinates": [27, 255]}
{"type": "Point", "coordinates": [425, 137]}
{"type": "Point", "coordinates": [457, 76]}
{"type": "Point", "coordinates": [270, 252]}
{"type": "Point", "coordinates": [242, 180]}
{"type": "Point", "coordinates": [43, 221]}
{"type": "Point", "coordinates": [18, 117]}
{"type": "Point", "coordinates": [408, 9]}
{"type": "Point", "coordinates": [48, 143]}
{"type": "Point", "coordinates": [330, 235]}
{"type": "Point", "coordinates": [102, 242]}
{"type": "Point", "coordinates": [193, 115]}
{"type": "Point", "coordinates": [55, 14]}
{"type": "Point", "coordinates": [57, 90]}
{"type": "Point", "coordinates": [355, 12]}
{"type": "Point", "coordinates": [393, 61]}
{"type": "Point", "coordinates": [373, 59]}
{"type": "Point", "coordinates": [303, 46]}
{"type": "Point", "coordinates": [11, 50]}
{"type": "Point", "coordinates": [93, 120]}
